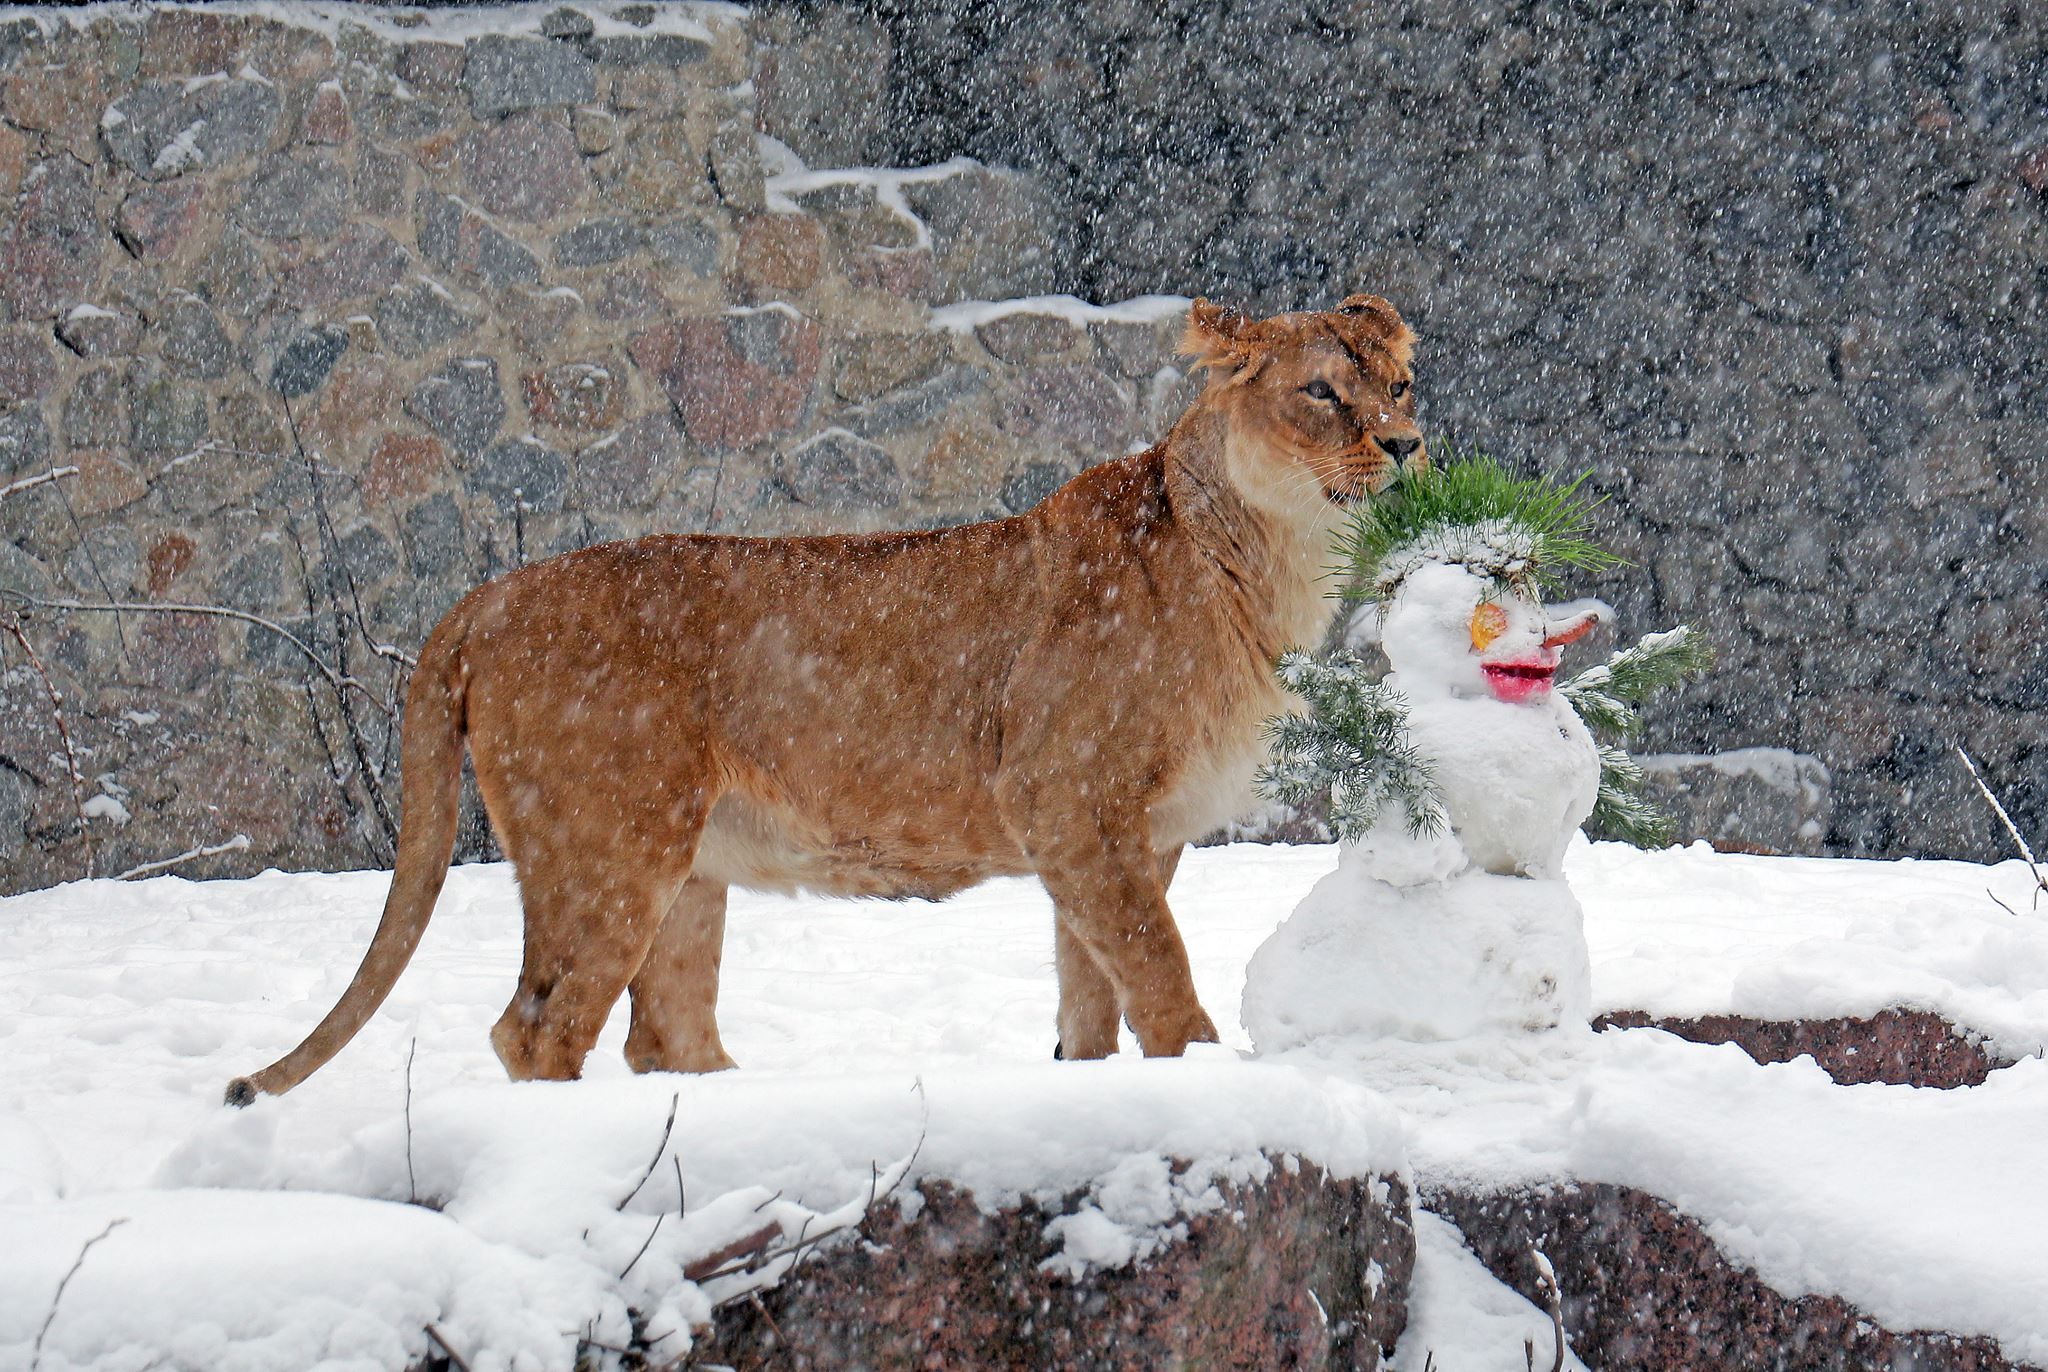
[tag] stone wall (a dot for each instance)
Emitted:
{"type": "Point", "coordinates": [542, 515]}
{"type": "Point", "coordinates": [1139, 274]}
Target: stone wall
{"type": "Point", "coordinates": [335, 321]}
{"type": "Point", "coordinates": [335, 318]}
{"type": "Point", "coordinates": [1775, 271]}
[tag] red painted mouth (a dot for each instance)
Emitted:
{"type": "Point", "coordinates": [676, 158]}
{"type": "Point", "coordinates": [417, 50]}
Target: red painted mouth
{"type": "Point", "coordinates": [1518, 681]}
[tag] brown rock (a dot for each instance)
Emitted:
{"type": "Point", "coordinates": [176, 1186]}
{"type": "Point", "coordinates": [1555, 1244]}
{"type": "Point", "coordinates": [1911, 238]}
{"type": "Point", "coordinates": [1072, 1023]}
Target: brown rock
{"type": "Point", "coordinates": [1297, 1271]}
{"type": "Point", "coordinates": [628, 295]}
{"type": "Point", "coordinates": [169, 557]}
{"type": "Point", "coordinates": [403, 466]}
{"type": "Point", "coordinates": [904, 272]}
{"type": "Point", "coordinates": [50, 254]}
{"type": "Point", "coordinates": [63, 100]}
{"type": "Point", "coordinates": [1073, 405]}
{"type": "Point", "coordinates": [525, 168]}
{"type": "Point", "coordinates": [365, 262]}
{"type": "Point", "coordinates": [27, 367]}
{"type": "Point", "coordinates": [779, 254]}
{"type": "Point", "coordinates": [575, 395]}
{"type": "Point", "coordinates": [327, 119]}
{"type": "Point", "coordinates": [104, 482]}
{"type": "Point", "coordinates": [182, 42]}
{"type": "Point", "coordinates": [1622, 1255]}
{"type": "Point", "coordinates": [737, 378]}
{"type": "Point", "coordinates": [1902, 1047]}
{"type": "Point", "coordinates": [176, 652]}
{"type": "Point", "coordinates": [358, 399]}
{"type": "Point", "coordinates": [880, 363]}
{"type": "Point", "coordinates": [154, 220]}
{"type": "Point", "coordinates": [623, 471]}
{"type": "Point", "coordinates": [966, 463]}
{"type": "Point", "coordinates": [13, 162]}
{"type": "Point", "coordinates": [1026, 337]}
{"type": "Point", "coordinates": [432, 68]}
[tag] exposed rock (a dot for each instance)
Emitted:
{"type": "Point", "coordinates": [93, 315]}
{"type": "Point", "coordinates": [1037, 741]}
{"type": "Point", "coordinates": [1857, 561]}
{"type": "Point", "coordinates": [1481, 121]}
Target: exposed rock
{"type": "Point", "coordinates": [92, 332]}
{"type": "Point", "coordinates": [595, 242]}
{"type": "Point", "coordinates": [419, 317]}
{"type": "Point", "coordinates": [462, 403]}
{"type": "Point", "coordinates": [875, 365]}
{"type": "Point", "coordinates": [165, 129]}
{"type": "Point", "coordinates": [623, 470]}
{"type": "Point", "coordinates": [915, 406]}
{"type": "Point", "coordinates": [779, 254]}
{"type": "Point", "coordinates": [1619, 1253]}
{"type": "Point", "coordinates": [154, 220]}
{"type": "Point", "coordinates": [24, 442]}
{"type": "Point", "coordinates": [233, 277]}
{"type": "Point", "coordinates": [654, 49]}
{"type": "Point", "coordinates": [292, 198]}
{"type": "Point", "coordinates": [327, 118]}
{"type": "Point", "coordinates": [454, 236]}
{"type": "Point", "coordinates": [574, 395]}
{"type": "Point", "coordinates": [526, 168]}
{"type": "Point", "coordinates": [104, 484]}
{"type": "Point", "coordinates": [366, 261]}
{"type": "Point", "coordinates": [28, 367]}
{"type": "Point", "coordinates": [987, 231]}
{"type": "Point", "coordinates": [401, 467]}
{"type": "Point", "coordinates": [1903, 1047]}
{"type": "Point", "coordinates": [1296, 1271]}
{"type": "Point", "coordinates": [306, 360]}
{"type": "Point", "coordinates": [49, 254]}
{"type": "Point", "coordinates": [736, 169]}
{"type": "Point", "coordinates": [380, 182]}
{"type": "Point", "coordinates": [735, 379]}
{"type": "Point", "coordinates": [192, 340]}
{"type": "Point", "coordinates": [96, 410]}
{"type": "Point", "coordinates": [167, 417]}
{"type": "Point", "coordinates": [503, 74]}
{"type": "Point", "coordinates": [1072, 405]}
{"type": "Point", "coordinates": [1023, 336]}
{"type": "Point", "coordinates": [521, 472]}
{"type": "Point", "coordinates": [689, 244]}
{"type": "Point", "coordinates": [1031, 483]}
{"type": "Point", "coordinates": [1753, 800]}
{"type": "Point", "coordinates": [838, 469]}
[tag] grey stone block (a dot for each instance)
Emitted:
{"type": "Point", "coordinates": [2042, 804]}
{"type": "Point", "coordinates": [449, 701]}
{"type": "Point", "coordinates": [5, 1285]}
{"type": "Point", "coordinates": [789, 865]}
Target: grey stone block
{"type": "Point", "coordinates": [462, 402]}
{"type": "Point", "coordinates": [302, 367]}
{"type": "Point", "coordinates": [503, 74]}
{"type": "Point", "coordinates": [520, 471]}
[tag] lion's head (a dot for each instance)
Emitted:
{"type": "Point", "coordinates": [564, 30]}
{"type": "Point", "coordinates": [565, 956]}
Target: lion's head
{"type": "Point", "coordinates": [1326, 399]}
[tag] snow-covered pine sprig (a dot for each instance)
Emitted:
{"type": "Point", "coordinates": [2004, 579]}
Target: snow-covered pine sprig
{"type": "Point", "coordinates": [1474, 512]}
{"type": "Point", "coordinates": [1606, 697]}
{"type": "Point", "coordinates": [1351, 748]}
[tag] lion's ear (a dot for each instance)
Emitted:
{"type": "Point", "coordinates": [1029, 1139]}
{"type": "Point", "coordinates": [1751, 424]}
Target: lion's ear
{"type": "Point", "coordinates": [1379, 316]}
{"type": "Point", "coordinates": [1217, 336]}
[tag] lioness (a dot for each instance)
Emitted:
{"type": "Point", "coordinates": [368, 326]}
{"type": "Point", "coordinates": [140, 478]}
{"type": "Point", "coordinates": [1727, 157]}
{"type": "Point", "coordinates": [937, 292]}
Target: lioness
{"type": "Point", "coordinates": [1075, 692]}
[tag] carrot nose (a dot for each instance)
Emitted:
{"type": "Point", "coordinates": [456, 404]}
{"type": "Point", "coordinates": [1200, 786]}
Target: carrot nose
{"type": "Point", "coordinates": [1569, 630]}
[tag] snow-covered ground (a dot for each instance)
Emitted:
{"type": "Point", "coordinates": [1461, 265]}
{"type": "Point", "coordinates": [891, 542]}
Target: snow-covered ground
{"type": "Point", "coordinates": [268, 1237]}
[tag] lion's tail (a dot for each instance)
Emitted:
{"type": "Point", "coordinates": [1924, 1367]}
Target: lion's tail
{"type": "Point", "coordinates": [432, 759]}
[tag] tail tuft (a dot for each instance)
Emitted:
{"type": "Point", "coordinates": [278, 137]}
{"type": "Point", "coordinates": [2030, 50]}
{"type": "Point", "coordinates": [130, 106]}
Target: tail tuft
{"type": "Point", "coordinates": [241, 1092]}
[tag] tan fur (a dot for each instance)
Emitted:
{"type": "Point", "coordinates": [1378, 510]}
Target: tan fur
{"type": "Point", "coordinates": [1076, 693]}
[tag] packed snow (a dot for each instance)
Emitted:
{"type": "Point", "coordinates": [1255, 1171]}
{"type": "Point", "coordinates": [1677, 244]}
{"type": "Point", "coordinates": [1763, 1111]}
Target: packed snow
{"type": "Point", "coordinates": [280, 1236]}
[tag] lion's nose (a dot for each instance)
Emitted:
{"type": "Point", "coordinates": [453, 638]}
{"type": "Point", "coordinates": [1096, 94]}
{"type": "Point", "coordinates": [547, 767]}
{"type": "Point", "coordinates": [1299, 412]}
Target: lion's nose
{"type": "Point", "coordinates": [1398, 448]}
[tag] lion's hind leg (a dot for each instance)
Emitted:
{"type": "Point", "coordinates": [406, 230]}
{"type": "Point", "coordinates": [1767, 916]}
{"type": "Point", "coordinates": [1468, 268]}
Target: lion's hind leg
{"type": "Point", "coordinates": [595, 896]}
{"type": "Point", "coordinates": [675, 992]}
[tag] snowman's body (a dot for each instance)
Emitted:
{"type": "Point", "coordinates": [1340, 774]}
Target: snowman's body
{"type": "Point", "coordinates": [1471, 931]}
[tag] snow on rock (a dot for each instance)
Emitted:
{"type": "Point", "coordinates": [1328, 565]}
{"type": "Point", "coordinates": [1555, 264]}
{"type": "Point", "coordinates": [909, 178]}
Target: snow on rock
{"type": "Point", "coordinates": [970, 315]}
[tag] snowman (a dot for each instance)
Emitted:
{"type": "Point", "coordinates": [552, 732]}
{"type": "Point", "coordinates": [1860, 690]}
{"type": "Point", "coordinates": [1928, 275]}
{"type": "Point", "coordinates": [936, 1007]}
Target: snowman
{"type": "Point", "coordinates": [1458, 781]}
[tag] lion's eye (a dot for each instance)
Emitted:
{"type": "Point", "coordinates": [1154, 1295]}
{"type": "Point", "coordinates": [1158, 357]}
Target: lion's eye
{"type": "Point", "coordinates": [1320, 390]}
{"type": "Point", "coordinates": [1397, 390]}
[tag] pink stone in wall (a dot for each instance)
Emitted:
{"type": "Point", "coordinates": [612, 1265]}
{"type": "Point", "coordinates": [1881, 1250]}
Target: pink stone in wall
{"type": "Point", "coordinates": [734, 379]}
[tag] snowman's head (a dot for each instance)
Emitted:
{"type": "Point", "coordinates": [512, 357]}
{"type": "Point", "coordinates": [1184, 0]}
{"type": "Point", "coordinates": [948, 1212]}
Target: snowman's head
{"type": "Point", "coordinates": [1451, 631]}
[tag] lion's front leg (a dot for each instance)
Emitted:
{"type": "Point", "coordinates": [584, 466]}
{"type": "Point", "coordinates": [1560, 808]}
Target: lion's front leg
{"type": "Point", "coordinates": [1111, 904]}
{"type": "Point", "coordinates": [675, 992]}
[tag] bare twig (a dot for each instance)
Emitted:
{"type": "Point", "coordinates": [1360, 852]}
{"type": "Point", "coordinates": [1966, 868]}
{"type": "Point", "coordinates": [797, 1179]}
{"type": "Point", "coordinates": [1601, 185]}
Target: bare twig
{"type": "Point", "coordinates": [412, 1181]}
{"type": "Point", "coordinates": [761, 1308]}
{"type": "Point", "coordinates": [666, 1129]}
{"type": "Point", "coordinates": [2013, 830]}
{"type": "Point", "coordinates": [646, 1244]}
{"type": "Point", "coordinates": [1553, 1304]}
{"type": "Point", "coordinates": [461, 1365]}
{"type": "Point", "coordinates": [27, 482]}
{"type": "Point", "coordinates": [714, 1263]}
{"type": "Point", "coordinates": [233, 845]}
{"type": "Point", "coordinates": [36, 1357]}
{"type": "Point", "coordinates": [12, 624]}
{"type": "Point", "coordinates": [334, 678]}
